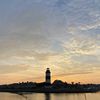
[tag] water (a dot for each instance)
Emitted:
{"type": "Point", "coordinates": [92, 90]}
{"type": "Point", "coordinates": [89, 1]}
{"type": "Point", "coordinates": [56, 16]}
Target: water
{"type": "Point", "coordinates": [52, 96]}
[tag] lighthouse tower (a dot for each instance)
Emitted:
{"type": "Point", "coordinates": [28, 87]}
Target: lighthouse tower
{"type": "Point", "coordinates": [48, 76]}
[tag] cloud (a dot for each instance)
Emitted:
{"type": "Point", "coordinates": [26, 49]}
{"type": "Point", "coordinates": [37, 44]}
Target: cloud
{"type": "Point", "coordinates": [6, 69]}
{"type": "Point", "coordinates": [61, 34]}
{"type": "Point", "coordinates": [81, 46]}
{"type": "Point", "coordinates": [72, 74]}
{"type": "Point", "coordinates": [90, 26]}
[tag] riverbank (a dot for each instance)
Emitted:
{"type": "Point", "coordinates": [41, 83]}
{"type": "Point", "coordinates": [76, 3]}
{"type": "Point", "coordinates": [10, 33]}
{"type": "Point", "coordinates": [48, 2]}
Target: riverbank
{"type": "Point", "coordinates": [49, 91]}
{"type": "Point", "coordinates": [56, 87]}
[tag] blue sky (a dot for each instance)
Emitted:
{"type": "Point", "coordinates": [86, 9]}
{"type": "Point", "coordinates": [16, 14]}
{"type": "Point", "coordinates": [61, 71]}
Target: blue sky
{"type": "Point", "coordinates": [61, 34]}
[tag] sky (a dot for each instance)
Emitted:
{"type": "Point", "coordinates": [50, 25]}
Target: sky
{"type": "Point", "coordinates": [63, 35]}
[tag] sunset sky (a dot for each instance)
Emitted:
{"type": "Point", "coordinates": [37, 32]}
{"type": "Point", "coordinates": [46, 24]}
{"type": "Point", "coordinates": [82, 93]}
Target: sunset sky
{"type": "Point", "coordinates": [63, 35]}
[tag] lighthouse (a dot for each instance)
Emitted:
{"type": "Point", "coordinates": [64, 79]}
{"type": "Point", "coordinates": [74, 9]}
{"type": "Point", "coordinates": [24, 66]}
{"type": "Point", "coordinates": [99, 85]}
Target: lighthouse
{"type": "Point", "coordinates": [48, 76]}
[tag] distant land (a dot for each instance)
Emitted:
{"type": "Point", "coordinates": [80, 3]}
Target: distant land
{"type": "Point", "coordinates": [57, 86]}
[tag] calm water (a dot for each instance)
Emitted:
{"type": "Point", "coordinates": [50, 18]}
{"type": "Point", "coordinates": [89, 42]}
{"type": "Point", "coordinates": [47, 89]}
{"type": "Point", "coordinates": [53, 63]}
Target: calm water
{"type": "Point", "coordinates": [64, 96]}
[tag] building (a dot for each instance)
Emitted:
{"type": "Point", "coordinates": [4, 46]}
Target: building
{"type": "Point", "coordinates": [48, 76]}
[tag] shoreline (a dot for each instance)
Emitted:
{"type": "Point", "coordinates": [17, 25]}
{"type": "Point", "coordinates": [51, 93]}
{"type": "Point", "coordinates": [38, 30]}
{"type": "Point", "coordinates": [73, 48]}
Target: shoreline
{"type": "Point", "coordinates": [28, 92]}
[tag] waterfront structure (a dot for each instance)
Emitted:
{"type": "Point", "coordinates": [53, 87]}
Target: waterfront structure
{"type": "Point", "coordinates": [48, 76]}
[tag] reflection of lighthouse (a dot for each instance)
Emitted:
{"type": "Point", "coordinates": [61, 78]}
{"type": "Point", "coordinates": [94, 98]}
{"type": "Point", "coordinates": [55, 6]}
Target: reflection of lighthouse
{"type": "Point", "coordinates": [48, 76]}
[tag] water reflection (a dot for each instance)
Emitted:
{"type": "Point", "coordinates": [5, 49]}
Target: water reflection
{"type": "Point", "coordinates": [51, 96]}
{"type": "Point", "coordinates": [85, 97]}
{"type": "Point", "coordinates": [64, 96]}
{"type": "Point", "coordinates": [23, 96]}
{"type": "Point", "coordinates": [47, 96]}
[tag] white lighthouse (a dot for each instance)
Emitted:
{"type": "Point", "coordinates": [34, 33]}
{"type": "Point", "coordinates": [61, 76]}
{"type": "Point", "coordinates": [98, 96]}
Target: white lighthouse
{"type": "Point", "coordinates": [48, 76]}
